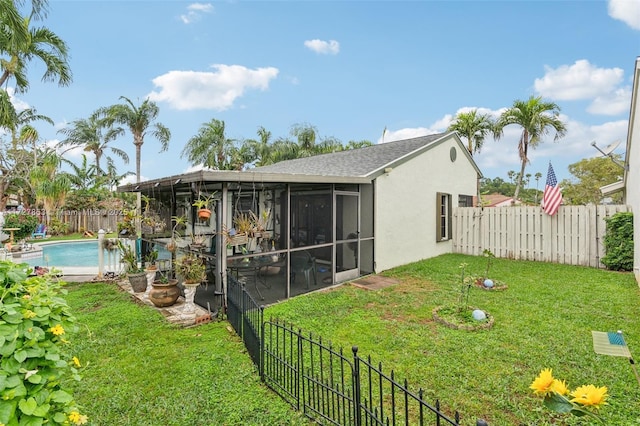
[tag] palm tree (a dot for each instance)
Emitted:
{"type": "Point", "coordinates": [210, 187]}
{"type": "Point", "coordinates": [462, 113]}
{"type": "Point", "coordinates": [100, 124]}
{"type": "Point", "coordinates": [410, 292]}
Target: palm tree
{"type": "Point", "coordinates": [472, 126]}
{"type": "Point", "coordinates": [211, 147]}
{"type": "Point", "coordinates": [84, 175]}
{"type": "Point", "coordinates": [94, 134]}
{"type": "Point", "coordinates": [536, 119]}
{"type": "Point", "coordinates": [20, 44]}
{"type": "Point", "coordinates": [306, 135]}
{"type": "Point", "coordinates": [50, 185]}
{"type": "Point", "coordinates": [139, 120]}
{"type": "Point", "coordinates": [259, 149]}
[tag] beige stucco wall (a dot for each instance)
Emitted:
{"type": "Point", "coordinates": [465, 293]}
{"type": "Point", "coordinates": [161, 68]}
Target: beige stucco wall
{"type": "Point", "coordinates": [405, 217]}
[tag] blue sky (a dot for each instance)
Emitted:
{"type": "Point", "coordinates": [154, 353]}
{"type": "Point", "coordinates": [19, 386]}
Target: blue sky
{"type": "Point", "coordinates": [348, 68]}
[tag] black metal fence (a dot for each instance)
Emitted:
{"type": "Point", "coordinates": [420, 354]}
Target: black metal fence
{"type": "Point", "coordinates": [327, 385]}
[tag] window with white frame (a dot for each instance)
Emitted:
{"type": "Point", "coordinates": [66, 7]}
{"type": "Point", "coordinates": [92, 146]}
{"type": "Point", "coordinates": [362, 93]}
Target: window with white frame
{"type": "Point", "coordinates": [443, 216]}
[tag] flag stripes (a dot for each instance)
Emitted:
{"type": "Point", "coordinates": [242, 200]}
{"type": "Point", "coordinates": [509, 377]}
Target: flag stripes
{"type": "Point", "coordinates": [552, 196]}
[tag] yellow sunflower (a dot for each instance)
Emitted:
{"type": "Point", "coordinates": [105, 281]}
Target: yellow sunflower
{"type": "Point", "coordinates": [589, 395]}
{"type": "Point", "coordinates": [543, 383]}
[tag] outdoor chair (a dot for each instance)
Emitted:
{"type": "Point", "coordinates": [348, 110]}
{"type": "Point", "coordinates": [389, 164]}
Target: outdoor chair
{"type": "Point", "coordinates": [40, 232]}
{"type": "Point", "coordinates": [303, 262]}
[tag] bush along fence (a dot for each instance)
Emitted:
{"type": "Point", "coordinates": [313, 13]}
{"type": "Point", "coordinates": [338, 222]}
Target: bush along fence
{"type": "Point", "coordinates": [329, 386]}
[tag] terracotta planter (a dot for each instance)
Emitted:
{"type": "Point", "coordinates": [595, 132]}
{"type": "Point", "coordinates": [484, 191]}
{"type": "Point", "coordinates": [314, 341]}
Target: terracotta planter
{"type": "Point", "coordinates": [204, 214]}
{"type": "Point", "coordinates": [164, 294]}
{"type": "Point", "coordinates": [138, 282]}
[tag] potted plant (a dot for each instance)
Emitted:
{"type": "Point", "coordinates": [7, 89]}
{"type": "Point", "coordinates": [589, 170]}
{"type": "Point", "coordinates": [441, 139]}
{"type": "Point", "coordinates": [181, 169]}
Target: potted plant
{"type": "Point", "coordinates": [191, 268]}
{"type": "Point", "coordinates": [197, 242]}
{"type": "Point", "coordinates": [164, 291]}
{"type": "Point", "coordinates": [203, 203]}
{"type": "Point", "coordinates": [150, 260]}
{"type": "Point", "coordinates": [151, 221]}
{"type": "Point", "coordinates": [178, 221]}
{"type": "Point", "coordinates": [193, 271]}
{"type": "Point", "coordinates": [127, 226]}
{"type": "Point", "coordinates": [136, 275]}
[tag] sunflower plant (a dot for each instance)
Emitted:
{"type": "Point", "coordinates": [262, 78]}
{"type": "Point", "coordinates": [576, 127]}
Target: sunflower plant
{"type": "Point", "coordinates": [583, 401]}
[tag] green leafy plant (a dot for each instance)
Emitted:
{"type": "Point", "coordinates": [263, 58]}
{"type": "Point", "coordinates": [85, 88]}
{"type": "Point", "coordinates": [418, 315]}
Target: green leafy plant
{"type": "Point", "coordinates": [488, 254]}
{"type": "Point", "coordinates": [618, 242]}
{"type": "Point", "coordinates": [129, 257]}
{"type": "Point", "coordinates": [25, 224]}
{"type": "Point", "coordinates": [557, 397]}
{"type": "Point", "coordinates": [57, 227]}
{"type": "Point", "coordinates": [150, 259]}
{"type": "Point", "coordinates": [204, 202]}
{"type": "Point", "coordinates": [127, 225]}
{"type": "Point", "coordinates": [191, 268]}
{"type": "Point", "coordinates": [465, 287]}
{"type": "Point", "coordinates": [34, 325]}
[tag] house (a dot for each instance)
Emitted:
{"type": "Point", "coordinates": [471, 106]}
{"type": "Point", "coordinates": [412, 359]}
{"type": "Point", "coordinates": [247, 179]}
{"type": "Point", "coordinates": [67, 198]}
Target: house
{"type": "Point", "coordinates": [631, 178]}
{"type": "Point", "coordinates": [632, 168]}
{"type": "Point", "coordinates": [328, 218]}
{"type": "Point", "coordinates": [497, 200]}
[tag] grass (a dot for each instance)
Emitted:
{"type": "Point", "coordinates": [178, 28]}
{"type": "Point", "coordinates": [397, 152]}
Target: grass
{"type": "Point", "coordinates": [144, 371]}
{"type": "Point", "coordinates": [543, 320]}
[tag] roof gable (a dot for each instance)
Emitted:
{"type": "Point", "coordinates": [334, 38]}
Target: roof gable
{"type": "Point", "coordinates": [362, 162]}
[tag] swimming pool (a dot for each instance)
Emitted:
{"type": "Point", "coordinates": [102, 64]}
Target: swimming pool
{"type": "Point", "coordinates": [76, 253]}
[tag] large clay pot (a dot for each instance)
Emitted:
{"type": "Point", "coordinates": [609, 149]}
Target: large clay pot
{"type": "Point", "coordinates": [164, 294]}
{"type": "Point", "coordinates": [138, 282]}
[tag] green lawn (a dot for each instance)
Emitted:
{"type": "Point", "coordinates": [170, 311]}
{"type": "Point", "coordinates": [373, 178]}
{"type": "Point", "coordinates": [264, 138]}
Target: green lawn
{"type": "Point", "coordinates": [143, 371]}
{"type": "Point", "coordinates": [542, 320]}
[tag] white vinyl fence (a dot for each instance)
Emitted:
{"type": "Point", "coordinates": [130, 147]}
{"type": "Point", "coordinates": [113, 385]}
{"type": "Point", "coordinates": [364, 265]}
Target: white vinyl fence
{"type": "Point", "coordinates": [573, 236]}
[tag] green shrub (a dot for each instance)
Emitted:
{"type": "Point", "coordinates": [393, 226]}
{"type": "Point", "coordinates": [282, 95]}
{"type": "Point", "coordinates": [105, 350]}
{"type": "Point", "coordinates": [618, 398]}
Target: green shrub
{"type": "Point", "coordinates": [35, 367]}
{"type": "Point", "coordinates": [618, 242]}
{"type": "Point", "coordinates": [26, 224]}
{"type": "Point", "coordinates": [57, 227]}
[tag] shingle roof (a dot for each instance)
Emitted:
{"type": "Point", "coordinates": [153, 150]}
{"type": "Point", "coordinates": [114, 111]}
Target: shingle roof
{"type": "Point", "coordinates": [355, 162]}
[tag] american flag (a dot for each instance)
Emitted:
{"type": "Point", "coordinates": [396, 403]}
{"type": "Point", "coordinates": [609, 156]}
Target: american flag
{"type": "Point", "coordinates": [552, 197]}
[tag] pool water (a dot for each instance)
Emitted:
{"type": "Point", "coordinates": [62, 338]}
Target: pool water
{"type": "Point", "coordinates": [82, 253]}
{"type": "Point", "coordinates": [76, 253]}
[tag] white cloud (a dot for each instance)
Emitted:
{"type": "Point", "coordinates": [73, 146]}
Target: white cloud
{"type": "Point", "coordinates": [406, 133]}
{"type": "Point", "coordinates": [330, 47]}
{"type": "Point", "coordinates": [196, 168]}
{"type": "Point", "coordinates": [194, 12]}
{"type": "Point", "coordinates": [132, 179]}
{"type": "Point", "coordinates": [189, 90]}
{"type": "Point", "coordinates": [614, 103]}
{"type": "Point", "coordinates": [627, 11]}
{"type": "Point", "coordinates": [498, 156]}
{"type": "Point", "coordinates": [18, 104]}
{"type": "Point", "coordinates": [578, 81]}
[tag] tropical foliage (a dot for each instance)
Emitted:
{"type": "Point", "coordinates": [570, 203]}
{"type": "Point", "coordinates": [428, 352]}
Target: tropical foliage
{"type": "Point", "coordinates": [590, 175]}
{"type": "Point", "coordinates": [618, 242]}
{"type": "Point", "coordinates": [474, 127]}
{"type": "Point", "coordinates": [537, 118]}
{"type": "Point", "coordinates": [35, 324]}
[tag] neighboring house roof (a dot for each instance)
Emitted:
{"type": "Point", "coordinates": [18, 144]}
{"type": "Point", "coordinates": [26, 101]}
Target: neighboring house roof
{"type": "Point", "coordinates": [360, 165]}
{"type": "Point", "coordinates": [496, 200]}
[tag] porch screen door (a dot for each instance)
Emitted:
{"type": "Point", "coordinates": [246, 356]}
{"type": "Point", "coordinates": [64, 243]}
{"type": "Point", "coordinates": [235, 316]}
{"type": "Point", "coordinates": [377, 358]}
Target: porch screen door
{"type": "Point", "coordinates": [347, 231]}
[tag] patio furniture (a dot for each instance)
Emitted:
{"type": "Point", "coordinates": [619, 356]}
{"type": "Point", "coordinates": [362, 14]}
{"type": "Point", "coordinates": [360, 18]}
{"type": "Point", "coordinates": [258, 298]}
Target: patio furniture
{"type": "Point", "coordinates": [40, 231]}
{"type": "Point", "coordinates": [303, 262]}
